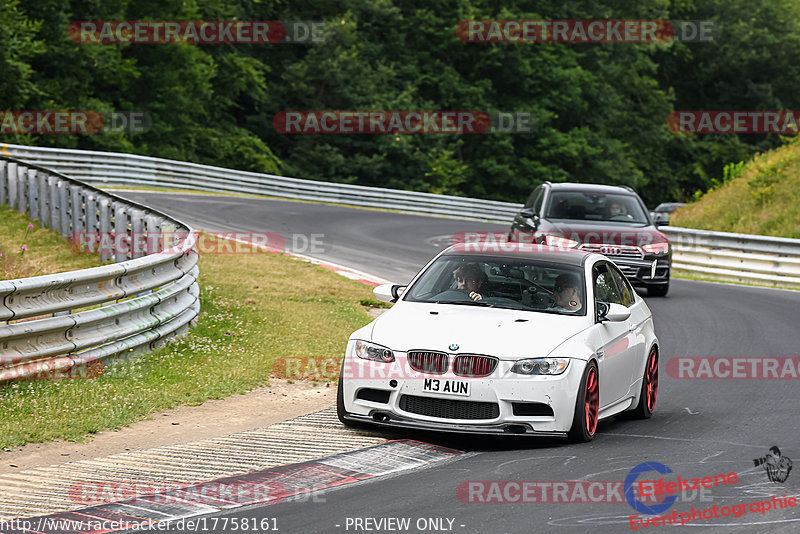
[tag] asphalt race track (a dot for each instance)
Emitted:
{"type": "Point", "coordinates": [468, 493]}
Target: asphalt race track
{"type": "Point", "coordinates": [700, 427]}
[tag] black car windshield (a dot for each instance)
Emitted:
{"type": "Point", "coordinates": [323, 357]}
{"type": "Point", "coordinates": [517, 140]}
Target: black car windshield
{"type": "Point", "coordinates": [502, 282]}
{"type": "Point", "coordinates": [590, 206]}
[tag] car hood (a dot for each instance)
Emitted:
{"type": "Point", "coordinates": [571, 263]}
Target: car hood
{"type": "Point", "coordinates": [507, 334]}
{"type": "Point", "coordinates": [607, 232]}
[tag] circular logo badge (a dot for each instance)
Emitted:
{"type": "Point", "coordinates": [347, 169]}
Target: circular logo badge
{"type": "Point", "coordinates": [630, 482]}
{"type": "Point", "coordinates": [453, 347]}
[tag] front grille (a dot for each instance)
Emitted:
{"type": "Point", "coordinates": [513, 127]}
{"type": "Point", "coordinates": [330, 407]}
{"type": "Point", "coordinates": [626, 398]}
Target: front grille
{"type": "Point", "coordinates": [449, 409]}
{"type": "Point", "coordinates": [474, 366]}
{"type": "Point", "coordinates": [428, 362]}
{"type": "Point", "coordinates": [614, 251]}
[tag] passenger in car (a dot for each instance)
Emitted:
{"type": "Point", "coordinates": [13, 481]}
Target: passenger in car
{"type": "Point", "coordinates": [472, 279]}
{"type": "Point", "coordinates": [567, 292]}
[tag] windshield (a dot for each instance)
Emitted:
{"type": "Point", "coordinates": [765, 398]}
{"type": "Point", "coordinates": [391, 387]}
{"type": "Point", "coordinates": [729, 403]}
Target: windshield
{"type": "Point", "coordinates": [501, 282]}
{"type": "Point", "coordinates": [586, 206]}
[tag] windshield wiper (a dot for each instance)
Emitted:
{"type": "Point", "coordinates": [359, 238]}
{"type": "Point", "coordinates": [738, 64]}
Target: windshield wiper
{"type": "Point", "coordinates": [465, 303]}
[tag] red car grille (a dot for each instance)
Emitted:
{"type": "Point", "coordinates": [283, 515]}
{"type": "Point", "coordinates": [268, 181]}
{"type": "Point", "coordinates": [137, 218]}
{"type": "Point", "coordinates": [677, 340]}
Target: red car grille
{"type": "Point", "coordinates": [614, 251]}
{"type": "Point", "coordinates": [428, 362]}
{"type": "Point", "coordinates": [474, 366]}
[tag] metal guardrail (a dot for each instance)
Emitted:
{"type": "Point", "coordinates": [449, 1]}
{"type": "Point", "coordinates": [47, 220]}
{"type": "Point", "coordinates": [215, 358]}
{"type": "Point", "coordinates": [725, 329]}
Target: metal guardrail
{"type": "Point", "coordinates": [743, 258]}
{"type": "Point", "coordinates": [726, 257]}
{"type": "Point", "coordinates": [137, 302]}
{"type": "Point", "coordinates": [114, 169]}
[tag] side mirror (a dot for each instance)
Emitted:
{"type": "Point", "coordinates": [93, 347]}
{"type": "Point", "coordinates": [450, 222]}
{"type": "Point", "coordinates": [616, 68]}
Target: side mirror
{"type": "Point", "coordinates": [388, 292]}
{"type": "Point", "coordinates": [663, 222]}
{"type": "Point", "coordinates": [612, 312]}
{"type": "Point", "coordinates": [527, 213]}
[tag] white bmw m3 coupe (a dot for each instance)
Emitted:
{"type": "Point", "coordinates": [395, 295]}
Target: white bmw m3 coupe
{"type": "Point", "coordinates": [514, 339]}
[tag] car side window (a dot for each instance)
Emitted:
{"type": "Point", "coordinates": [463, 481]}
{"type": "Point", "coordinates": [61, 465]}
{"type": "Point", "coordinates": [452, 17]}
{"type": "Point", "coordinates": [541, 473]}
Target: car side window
{"type": "Point", "coordinates": [535, 200]}
{"type": "Point", "coordinates": [605, 289]}
{"type": "Point", "coordinates": [537, 204]}
{"type": "Point", "coordinates": [624, 287]}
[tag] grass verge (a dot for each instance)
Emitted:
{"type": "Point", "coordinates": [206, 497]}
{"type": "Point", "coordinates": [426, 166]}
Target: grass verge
{"type": "Point", "coordinates": [46, 252]}
{"type": "Point", "coordinates": [761, 197]}
{"type": "Point", "coordinates": [255, 310]}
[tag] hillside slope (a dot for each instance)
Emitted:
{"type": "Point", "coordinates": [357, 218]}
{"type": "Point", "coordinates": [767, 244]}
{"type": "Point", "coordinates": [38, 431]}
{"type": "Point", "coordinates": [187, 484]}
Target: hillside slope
{"type": "Point", "coordinates": [763, 199]}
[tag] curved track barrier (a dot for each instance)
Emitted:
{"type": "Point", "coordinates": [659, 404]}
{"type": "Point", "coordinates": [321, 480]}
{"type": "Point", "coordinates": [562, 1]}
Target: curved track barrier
{"type": "Point", "coordinates": [119, 170]}
{"type": "Point", "coordinates": [60, 324]}
{"type": "Point", "coordinates": [743, 258]}
{"type": "Point", "coordinates": [721, 256]}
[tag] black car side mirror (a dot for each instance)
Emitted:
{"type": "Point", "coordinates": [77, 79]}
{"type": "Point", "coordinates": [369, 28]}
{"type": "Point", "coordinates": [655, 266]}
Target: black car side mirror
{"type": "Point", "coordinates": [527, 213]}
{"type": "Point", "coordinates": [602, 310]}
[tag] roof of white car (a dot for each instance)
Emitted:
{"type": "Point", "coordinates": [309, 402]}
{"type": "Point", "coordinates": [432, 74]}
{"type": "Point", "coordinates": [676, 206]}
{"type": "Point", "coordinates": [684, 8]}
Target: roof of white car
{"type": "Point", "coordinates": [566, 256]}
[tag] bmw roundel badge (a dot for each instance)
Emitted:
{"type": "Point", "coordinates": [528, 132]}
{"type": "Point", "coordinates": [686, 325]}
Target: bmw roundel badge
{"type": "Point", "coordinates": [453, 347]}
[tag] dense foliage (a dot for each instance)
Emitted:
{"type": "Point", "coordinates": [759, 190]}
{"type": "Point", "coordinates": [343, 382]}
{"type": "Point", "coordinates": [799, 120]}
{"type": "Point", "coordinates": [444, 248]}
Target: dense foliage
{"type": "Point", "coordinates": [601, 108]}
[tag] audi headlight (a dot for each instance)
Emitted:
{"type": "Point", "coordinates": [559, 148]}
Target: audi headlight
{"type": "Point", "coordinates": [540, 366]}
{"type": "Point", "coordinates": [656, 248]}
{"type": "Point", "coordinates": [371, 351]}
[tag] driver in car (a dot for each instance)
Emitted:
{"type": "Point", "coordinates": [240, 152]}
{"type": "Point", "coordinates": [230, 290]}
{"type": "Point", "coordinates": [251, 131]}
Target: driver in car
{"type": "Point", "coordinates": [567, 293]}
{"type": "Point", "coordinates": [472, 279]}
{"type": "Point", "coordinates": [617, 209]}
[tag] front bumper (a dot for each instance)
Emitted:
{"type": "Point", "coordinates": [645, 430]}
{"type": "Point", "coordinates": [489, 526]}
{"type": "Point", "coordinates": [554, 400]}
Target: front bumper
{"type": "Point", "coordinates": [390, 420]}
{"type": "Point", "coordinates": [503, 391]}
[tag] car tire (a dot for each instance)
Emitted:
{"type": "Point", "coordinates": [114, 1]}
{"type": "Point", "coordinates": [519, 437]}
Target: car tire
{"type": "Point", "coordinates": [341, 412]}
{"type": "Point", "coordinates": [659, 290]}
{"type": "Point", "coordinates": [649, 392]}
{"type": "Point", "coordinates": [587, 406]}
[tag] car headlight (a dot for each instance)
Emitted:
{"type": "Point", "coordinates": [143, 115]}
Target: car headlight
{"type": "Point", "coordinates": [371, 351]}
{"type": "Point", "coordinates": [656, 248]}
{"type": "Point", "coordinates": [540, 366]}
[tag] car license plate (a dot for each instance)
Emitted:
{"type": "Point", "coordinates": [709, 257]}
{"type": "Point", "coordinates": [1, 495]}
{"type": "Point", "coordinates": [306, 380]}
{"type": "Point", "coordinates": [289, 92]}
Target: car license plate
{"type": "Point", "coordinates": [451, 387]}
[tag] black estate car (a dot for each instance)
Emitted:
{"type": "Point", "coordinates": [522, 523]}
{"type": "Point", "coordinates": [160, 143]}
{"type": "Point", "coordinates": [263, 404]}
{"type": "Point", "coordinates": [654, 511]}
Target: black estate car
{"type": "Point", "coordinates": [610, 220]}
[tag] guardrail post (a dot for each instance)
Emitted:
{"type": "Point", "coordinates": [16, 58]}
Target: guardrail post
{"type": "Point", "coordinates": [120, 228]}
{"type": "Point", "coordinates": [22, 188]}
{"type": "Point", "coordinates": [76, 208]}
{"type": "Point", "coordinates": [105, 228]}
{"type": "Point", "coordinates": [55, 221]}
{"type": "Point", "coordinates": [33, 194]}
{"type": "Point", "coordinates": [152, 225]}
{"type": "Point", "coordinates": [63, 208]}
{"type": "Point", "coordinates": [139, 245]}
{"type": "Point", "coordinates": [44, 199]}
{"type": "Point", "coordinates": [90, 220]}
{"type": "Point", "coordinates": [12, 184]}
{"type": "Point", "coordinates": [3, 181]}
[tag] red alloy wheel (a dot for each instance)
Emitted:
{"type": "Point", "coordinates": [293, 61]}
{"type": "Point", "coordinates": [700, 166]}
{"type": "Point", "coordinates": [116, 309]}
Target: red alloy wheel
{"type": "Point", "coordinates": [651, 375]}
{"type": "Point", "coordinates": [592, 401]}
